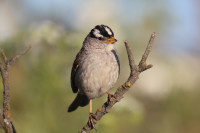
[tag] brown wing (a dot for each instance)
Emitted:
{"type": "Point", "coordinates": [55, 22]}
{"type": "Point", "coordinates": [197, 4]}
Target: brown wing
{"type": "Point", "coordinates": [74, 70]}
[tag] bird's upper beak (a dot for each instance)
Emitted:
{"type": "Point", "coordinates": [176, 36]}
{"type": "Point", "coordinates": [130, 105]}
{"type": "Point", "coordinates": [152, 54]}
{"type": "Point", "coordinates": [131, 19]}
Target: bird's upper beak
{"type": "Point", "coordinates": [111, 40]}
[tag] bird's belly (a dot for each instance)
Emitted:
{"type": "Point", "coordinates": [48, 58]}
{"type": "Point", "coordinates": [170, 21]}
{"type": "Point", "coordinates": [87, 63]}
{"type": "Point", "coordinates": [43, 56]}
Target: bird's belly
{"type": "Point", "coordinates": [96, 77]}
{"type": "Point", "coordinates": [95, 83]}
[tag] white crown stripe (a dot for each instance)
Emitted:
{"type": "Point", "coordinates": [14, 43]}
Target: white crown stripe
{"type": "Point", "coordinates": [108, 30]}
{"type": "Point", "coordinates": [97, 33]}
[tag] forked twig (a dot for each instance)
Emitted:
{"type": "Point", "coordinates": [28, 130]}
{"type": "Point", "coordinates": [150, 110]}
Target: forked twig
{"type": "Point", "coordinates": [5, 116]}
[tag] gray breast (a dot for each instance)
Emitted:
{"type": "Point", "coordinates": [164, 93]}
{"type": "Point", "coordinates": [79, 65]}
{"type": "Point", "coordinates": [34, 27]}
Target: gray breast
{"type": "Point", "coordinates": [98, 72]}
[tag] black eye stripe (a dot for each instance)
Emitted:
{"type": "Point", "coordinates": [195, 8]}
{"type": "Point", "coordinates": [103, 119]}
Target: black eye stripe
{"type": "Point", "coordinates": [104, 33]}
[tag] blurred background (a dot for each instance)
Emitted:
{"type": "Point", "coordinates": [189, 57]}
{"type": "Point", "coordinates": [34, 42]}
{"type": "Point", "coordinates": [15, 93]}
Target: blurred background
{"type": "Point", "coordinates": [164, 100]}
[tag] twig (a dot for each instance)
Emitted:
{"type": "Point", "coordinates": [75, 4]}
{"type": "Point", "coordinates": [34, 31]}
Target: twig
{"type": "Point", "coordinates": [11, 61]}
{"type": "Point", "coordinates": [134, 74]}
{"type": "Point", "coordinates": [142, 63]}
{"type": "Point", "coordinates": [6, 115]}
{"type": "Point", "coordinates": [132, 64]}
{"type": "Point", "coordinates": [4, 56]}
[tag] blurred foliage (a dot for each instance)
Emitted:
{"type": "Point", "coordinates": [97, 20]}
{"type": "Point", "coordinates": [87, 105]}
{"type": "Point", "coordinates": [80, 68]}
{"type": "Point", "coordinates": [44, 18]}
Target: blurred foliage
{"type": "Point", "coordinates": [164, 99]}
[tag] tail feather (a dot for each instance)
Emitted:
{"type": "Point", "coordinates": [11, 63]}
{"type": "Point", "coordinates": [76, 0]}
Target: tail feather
{"type": "Point", "coordinates": [80, 100]}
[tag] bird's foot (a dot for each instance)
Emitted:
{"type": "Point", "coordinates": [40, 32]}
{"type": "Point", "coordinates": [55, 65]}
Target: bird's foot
{"type": "Point", "coordinates": [111, 97]}
{"type": "Point", "coordinates": [92, 118]}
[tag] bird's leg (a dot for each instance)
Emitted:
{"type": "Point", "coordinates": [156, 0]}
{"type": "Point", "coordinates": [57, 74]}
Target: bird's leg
{"type": "Point", "coordinates": [110, 97]}
{"type": "Point", "coordinates": [91, 117]}
{"type": "Point", "coordinates": [90, 106]}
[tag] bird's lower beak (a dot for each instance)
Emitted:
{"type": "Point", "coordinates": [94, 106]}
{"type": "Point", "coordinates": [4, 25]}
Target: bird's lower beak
{"type": "Point", "coordinates": [111, 40]}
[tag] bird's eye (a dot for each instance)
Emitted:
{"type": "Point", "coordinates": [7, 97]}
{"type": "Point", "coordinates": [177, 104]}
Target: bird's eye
{"type": "Point", "coordinates": [100, 38]}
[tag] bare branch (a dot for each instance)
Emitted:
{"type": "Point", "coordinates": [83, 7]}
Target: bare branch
{"type": "Point", "coordinates": [1, 119]}
{"type": "Point", "coordinates": [6, 115]}
{"type": "Point", "coordinates": [1, 67]}
{"type": "Point", "coordinates": [11, 61]}
{"type": "Point", "coordinates": [132, 64]}
{"type": "Point", "coordinates": [135, 71]}
{"type": "Point", "coordinates": [4, 55]}
{"type": "Point", "coordinates": [142, 65]}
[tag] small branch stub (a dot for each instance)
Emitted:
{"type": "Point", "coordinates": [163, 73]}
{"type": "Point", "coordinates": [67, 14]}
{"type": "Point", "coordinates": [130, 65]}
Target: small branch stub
{"type": "Point", "coordinates": [135, 70]}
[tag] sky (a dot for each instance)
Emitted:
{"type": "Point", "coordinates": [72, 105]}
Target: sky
{"type": "Point", "coordinates": [180, 32]}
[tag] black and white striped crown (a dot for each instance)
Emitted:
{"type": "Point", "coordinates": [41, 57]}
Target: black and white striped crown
{"type": "Point", "coordinates": [101, 32]}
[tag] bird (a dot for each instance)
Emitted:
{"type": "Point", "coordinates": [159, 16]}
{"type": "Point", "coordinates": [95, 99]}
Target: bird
{"type": "Point", "coordinates": [96, 67]}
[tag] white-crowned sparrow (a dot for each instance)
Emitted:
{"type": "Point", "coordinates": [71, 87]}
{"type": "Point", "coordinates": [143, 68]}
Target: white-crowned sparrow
{"type": "Point", "coordinates": [96, 67]}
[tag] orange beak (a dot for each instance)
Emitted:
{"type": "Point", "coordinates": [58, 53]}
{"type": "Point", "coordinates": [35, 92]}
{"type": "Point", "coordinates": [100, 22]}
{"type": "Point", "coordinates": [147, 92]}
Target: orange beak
{"type": "Point", "coordinates": [111, 40]}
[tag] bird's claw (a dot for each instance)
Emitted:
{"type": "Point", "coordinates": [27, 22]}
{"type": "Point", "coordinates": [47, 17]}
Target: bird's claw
{"type": "Point", "coordinates": [111, 98]}
{"type": "Point", "coordinates": [91, 120]}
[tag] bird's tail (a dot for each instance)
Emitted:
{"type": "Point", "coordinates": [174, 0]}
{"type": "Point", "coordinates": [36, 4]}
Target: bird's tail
{"type": "Point", "coordinates": [80, 100]}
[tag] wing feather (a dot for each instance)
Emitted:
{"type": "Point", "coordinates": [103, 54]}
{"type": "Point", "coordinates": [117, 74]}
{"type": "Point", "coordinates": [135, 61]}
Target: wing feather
{"type": "Point", "coordinates": [75, 67]}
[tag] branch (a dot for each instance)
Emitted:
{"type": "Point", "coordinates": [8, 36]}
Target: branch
{"type": "Point", "coordinates": [1, 119]}
{"type": "Point", "coordinates": [11, 61]}
{"type": "Point", "coordinates": [121, 90]}
{"type": "Point", "coordinates": [143, 66]}
{"type": "Point", "coordinates": [5, 117]}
